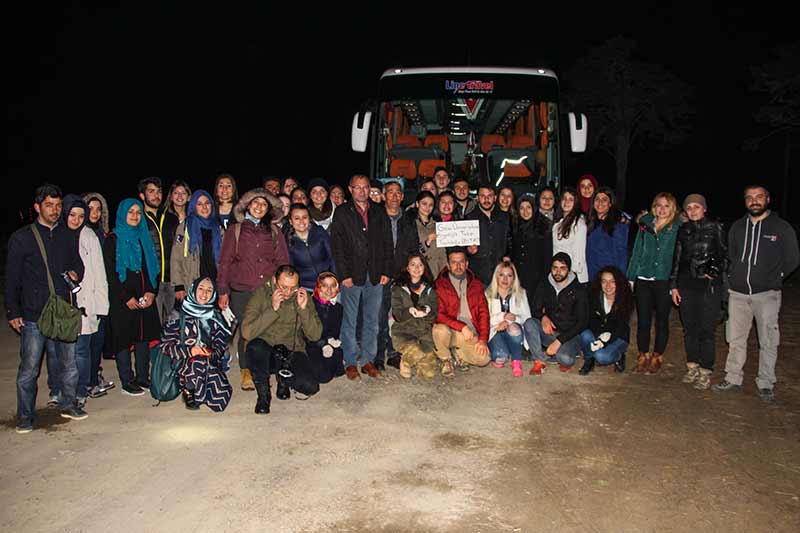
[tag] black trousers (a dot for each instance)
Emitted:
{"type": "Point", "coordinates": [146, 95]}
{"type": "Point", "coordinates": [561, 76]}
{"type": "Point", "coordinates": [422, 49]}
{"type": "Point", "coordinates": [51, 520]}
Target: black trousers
{"type": "Point", "coordinates": [262, 362]}
{"type": "Point", "coordinates": [325, 368]}
{"type": "Point", "coordinates": [700, 312]}
{"type": "Point", "coordinates": [652, 295]}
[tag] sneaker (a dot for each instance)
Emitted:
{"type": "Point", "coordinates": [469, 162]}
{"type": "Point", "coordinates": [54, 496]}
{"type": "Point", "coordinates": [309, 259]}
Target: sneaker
{"type": "Point", "coordinates": [499, 363]}
{"type": "Point", "coordinates": [301, 396]}
{"type": "Point", "coordinates": [143, 384]}
{"type": "Point", "coordinates": [81, 401]}
{"type": "Point", "coordinates": [24, 428]}
{"type": "Point", "coordinates": [75, 413]}
{"type": "Point", "coordinates": [692, 373]}
{"type": "Point", "coordinates": [52, 401]}
{"type": "Point", "coordinates": [725, 386]}
{"type": "Point", "coordinates": [538, 368]}
{"type": "Point", "coordinates": [103, 384]}
{"type": "Point", "coordinates": [516, 369]}
{"type": "Point", "coordinates": [132, 389]}
{"type": "Point", "coordinates": [564, 368]}
{"type": "Point", "coordinates": [96, 392]}
{"type": "Point", "coordinates": [766, 394]}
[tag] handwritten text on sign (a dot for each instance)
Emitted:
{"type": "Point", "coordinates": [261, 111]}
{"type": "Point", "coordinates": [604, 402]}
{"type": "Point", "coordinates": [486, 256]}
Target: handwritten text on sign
{"type": "Point", "coordinates": [461, 233]}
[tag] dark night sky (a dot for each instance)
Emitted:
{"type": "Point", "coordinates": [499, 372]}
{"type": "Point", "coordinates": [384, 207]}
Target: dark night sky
{"type": "Point", "coordinates": [101, 98]}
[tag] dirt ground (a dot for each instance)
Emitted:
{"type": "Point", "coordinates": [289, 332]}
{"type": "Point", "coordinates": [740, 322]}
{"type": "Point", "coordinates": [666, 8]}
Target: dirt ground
{"type": "Point", "coordinates": [480, 452]}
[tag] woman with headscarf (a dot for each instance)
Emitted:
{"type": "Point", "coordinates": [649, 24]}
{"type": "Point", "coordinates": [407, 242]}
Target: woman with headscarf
{"type": "Point", "coordinates": [132, 269]}
{"type": "Point", "coordinates": [587, 186]}
{"type": "Point", "coordinates": [198, 338]}
{"type": "Point", "coordinates": [252, 250]}
{"type": "Point", "coordinates": [325, 355]}
{"type": "Point", "coordinates": [197, 244]}
{"type": "Point", "coordinates": [93, 296]}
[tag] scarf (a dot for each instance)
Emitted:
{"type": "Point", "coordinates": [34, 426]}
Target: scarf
{"type": "Point", "coordinates": [586, 203]}
{"type": "Point", "coordinates": [251, 218]}
{"type": "Point", "coordinates": [206, 313]}
{"type": "Point", "coordinates": [318, 295]}
{"type": "Point", "coordinates": [195, 224]}
{"type": "Point", "coordinates": [71, 201]}
{"type": "Point", "coordinates": [132, 241]}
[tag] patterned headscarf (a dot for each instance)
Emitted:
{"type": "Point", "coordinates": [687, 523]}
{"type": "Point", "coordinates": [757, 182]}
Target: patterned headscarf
{"type": "Point", "coordinates": [132, 241]}
{"type": "Point", "coordinates": [205, 313]}
{"type": "Point", "coordinates": [317, 295]}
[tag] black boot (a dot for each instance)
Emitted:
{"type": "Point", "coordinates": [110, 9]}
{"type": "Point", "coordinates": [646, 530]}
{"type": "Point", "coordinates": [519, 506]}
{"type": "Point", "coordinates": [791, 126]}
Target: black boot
{"type": "Point", "coordinates": [619, 366]}
{"type": "Point", "coordinates": [188, 399]}
{"type": "Point", "coordinates": [588, 366]}
{"type": "Point", "coordinates": [264, 398]}
{"type": "Point", "coordinates": [393, 361]}
{"type": "Point", "coordinates": [283, 392]}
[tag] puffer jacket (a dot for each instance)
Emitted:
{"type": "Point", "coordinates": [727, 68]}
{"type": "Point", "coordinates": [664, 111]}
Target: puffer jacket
{"type": "Point", "coordinates": [311, 257]}
{"type": "Point", "coordinates": [449, 304]}
{"type": "Point", "coordinates": [701, 249]}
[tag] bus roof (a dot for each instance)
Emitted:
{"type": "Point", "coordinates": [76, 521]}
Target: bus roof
{"type": "Point", "coordinates": [470, 70]}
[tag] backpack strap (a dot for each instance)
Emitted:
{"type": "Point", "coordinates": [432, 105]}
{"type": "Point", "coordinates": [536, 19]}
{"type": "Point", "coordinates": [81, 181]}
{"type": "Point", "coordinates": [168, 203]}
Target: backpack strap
{"type": "Point", "coordinates": [44, 257]}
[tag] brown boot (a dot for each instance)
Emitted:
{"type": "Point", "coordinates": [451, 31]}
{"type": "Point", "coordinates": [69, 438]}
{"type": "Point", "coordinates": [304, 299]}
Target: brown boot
{"type": "Point", "coordinates": [642, 362]}
{"type": "Point", "coordinates": [247, 380]}
{"type": "Point", "coordinates": [655, 363]}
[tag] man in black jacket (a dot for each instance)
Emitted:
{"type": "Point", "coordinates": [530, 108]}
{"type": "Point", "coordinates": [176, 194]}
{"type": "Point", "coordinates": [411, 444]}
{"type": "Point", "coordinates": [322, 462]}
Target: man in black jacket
{"type": "Point", "coordinates": [361, 239]}
{"type": "Point", "coordinates": [26, 293]}
{"type": "Point", "coordinates": [762, 251]}
{"type": "Point", "coordinates": [495, 230]}
{"type": "Point", "coordinates": [558, 315]}
{"type": "Point", "coordinates": [162, 225]}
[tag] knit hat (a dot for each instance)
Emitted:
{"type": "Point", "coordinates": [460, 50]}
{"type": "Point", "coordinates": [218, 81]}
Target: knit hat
{"type": "Point", "coordinates": [318, 182]}
{"type": "Point", "coordinates": [695, 199]}
{"type": "Point", "coordinates": [562, 257]}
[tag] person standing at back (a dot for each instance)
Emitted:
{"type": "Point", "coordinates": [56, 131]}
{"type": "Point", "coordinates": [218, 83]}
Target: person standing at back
{"type": "Point", "coordinates": [162, 225]}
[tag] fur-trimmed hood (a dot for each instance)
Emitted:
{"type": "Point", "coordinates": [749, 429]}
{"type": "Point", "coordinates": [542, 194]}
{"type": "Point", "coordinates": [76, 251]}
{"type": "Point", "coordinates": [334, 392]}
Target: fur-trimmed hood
{"type": "Point", "coordinates": [104, 218]}
{"type": "Point", "coordinates": [276, 211]}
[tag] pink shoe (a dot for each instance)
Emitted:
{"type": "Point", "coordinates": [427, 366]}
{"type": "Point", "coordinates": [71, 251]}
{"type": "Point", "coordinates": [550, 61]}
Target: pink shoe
{"type": "Point", "coordinates": [499, 363]}
{"type": "Point", "coordinates": [516, 369]}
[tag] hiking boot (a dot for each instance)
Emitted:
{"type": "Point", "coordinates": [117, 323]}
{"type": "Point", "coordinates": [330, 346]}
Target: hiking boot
{"type": "Point", "coordinates": [74, 413]}
{"type": "Point", "coordinates": [703, 381]}
{"type": "Point", "coordinates": [247, 380]}
{"type": "Point", "coordinates": [405, 370]}
{"type": "Point", "coordinates": [132, 389]}
{"type": "Point", "coordinates": [447, 368]}
{"type": "Point", "coordinates": [692, 373]}
{"type": "Point", "coordinates": [725, 386]}
{"type": "Point", "coordinates": [766, 394]}
{"type": "Point", "coordinates": [538, 368]}
{"type": "Point", "coordinates": [642, 362]}
{"type": "Point", "coordinates": [655, 363]}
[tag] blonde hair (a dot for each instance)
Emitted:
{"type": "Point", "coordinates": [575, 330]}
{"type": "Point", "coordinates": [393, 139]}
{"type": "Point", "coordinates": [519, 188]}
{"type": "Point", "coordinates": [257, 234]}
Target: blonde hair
{"type": "Point", "coordinates": [673, 204]}
{"type": "Point", "coordinates": [516, 288]}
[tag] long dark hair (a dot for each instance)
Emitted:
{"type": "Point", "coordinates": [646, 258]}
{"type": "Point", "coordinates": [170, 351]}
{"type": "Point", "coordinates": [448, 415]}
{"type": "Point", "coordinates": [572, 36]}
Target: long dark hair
{"type": "Point", "coordinates": [403, 278]}
{"type": "Point", "coordinates": [623, 299]}
{"type": "Point", "coordinates": [613, 216]}
{"type": "Point", "coordinates": [568, 220]}
{"type": "Point", "coordinates": [235, 198]}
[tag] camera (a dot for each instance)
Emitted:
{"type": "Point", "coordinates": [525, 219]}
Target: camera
{"type": "Point", "coordinates": [284, 360]}
{"type": "Point", "coordinates": [73, 287]}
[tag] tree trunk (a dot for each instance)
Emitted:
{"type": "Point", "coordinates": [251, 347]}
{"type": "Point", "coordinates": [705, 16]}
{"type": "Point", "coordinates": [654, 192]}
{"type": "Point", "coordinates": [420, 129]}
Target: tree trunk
{"type": "Point", "coordinates": [623, 147]}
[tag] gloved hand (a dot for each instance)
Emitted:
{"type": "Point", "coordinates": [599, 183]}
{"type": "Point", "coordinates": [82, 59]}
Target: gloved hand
{"type": "Point", "coordinates": [605, 337]}
{"type": "Point", "coordinates": [596, 345]}
{"type": "Point", "coordinates": [327, 351]}
{"type": "Point", "coordinates": [419, 313]}
{"type": "Point", "coordinates": [334, 342]}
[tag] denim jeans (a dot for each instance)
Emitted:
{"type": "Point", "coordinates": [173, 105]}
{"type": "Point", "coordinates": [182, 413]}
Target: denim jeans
{"type": "Point", "coordinates": [537, 339]}
{"type": "Point", "coordinates": [83, 359]}
{"type": "Point", "coordinates": [610, 353]}
{"type": "Point", "coordinates": [368, 297]}
{"type": "Point", "coordinates": [53, 372]}
{"type": "Point", "coordinates": [385, 347]}
{"type": "Point", "coordinates": [31, 351]}
{"type": "Point", "coordinates": [504, 344]}
{"type": "Point", "coordinates": [96, 351]}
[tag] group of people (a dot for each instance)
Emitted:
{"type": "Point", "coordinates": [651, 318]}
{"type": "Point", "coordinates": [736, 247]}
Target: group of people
{"type": "Point", "coordinates": [308, 285]}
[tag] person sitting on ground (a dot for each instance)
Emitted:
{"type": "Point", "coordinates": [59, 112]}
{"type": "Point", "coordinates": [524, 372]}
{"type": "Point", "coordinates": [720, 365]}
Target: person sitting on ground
{"type": "Point", "coordinates": [462, 321]}
{"type": "Point", "coordinates": [277, 324]}
{"type": "Point", "coordinates": [508, 313]}
{"type": "Point", "coordinates": [559, 315]}
{"type": "Point", "coordinates": [198, 337]}
{"type": "Point", "coordinates": [414, 306]}
{"type": "Point", "coordinates": [606, 339]}
{"type": "Point", "coordinates": [326, 355]}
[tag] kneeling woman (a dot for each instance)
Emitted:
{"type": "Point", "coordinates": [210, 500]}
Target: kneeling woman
{"type": "Point", "coordinates": [198, 338]}
{"type": "Point", "coordinates": [610, 307]}
{"type": "Point", "coordinates": [325, 355]}
{"type": "Point", "coordinates": [414, 306]}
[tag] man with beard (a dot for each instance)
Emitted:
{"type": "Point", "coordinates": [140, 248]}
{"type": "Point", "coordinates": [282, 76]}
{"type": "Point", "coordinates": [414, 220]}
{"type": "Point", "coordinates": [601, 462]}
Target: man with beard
{"type": "Point", "coordinates": [763, 252]}
{"type": "Point", "coordinates": [494, 231]}
{"type": "Point", "coordinates": [559, 313]}
{"type": "Point", "coordinates": [162, 225]}
{"type": "Point", "coordinates": [464, 204]}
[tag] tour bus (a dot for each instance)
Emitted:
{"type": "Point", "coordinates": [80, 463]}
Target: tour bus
{"type": "Point", "coordinates": [492, 125]}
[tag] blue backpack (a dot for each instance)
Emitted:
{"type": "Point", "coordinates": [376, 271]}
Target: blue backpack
{"type": "Point", "coordinates": [164, 382]}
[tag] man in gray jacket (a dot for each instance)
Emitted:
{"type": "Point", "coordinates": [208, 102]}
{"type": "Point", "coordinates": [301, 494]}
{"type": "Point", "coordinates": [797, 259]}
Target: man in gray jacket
{"type": "Point", "coordinates": [763, 252]}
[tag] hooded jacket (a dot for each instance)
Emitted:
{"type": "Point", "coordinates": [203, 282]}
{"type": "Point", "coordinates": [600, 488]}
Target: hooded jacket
{"type": "Point", "coordinates": [101, 228]}
{"type": "Point", "coordinates": [761, 255]}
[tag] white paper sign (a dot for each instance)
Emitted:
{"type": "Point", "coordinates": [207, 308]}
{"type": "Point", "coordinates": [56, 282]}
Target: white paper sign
{"type": "Point", "coordinates": [460, 233]}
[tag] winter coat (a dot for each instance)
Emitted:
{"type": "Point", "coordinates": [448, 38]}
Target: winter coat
{"type": "Point", "coordinates": [128, 326]}
{"type": "Point", "coordinates": [261, 249]}
{"type": "Point", "coordinates": [102, 225]}
{"type": "Point", "coordinates": [604, 250]}
{"type": "Point", "coordinates": [322, 217]}
{"type": "Point", "coordinates": [532, 250]}
{"type": "Point", "coordinates": [311, 257]}
{"type": "Point", "coordinates": [600, 321]}
{"type": "Point", "coordinates": [652, 252]}
{"type": "Point", "coordinates": [407, 328]}
{"type": "Point", "coordinates": [567, 308]}
{"type": "Point", "coordinates": [162, 231]}
{"type": "Point", "coordinates": [359, 251]}
{"type": "Point", "coordinates": [761, 255]}
{"type": "Point", "coordinates": [518, 306]}
{"type": "Point", "coordinates": [184, 265]}
{"type": "Point", "coordinates": [289, 325]}
{"type": "Point", "coordinates": [460, 213]}
{"type": "Point", "coordinates": [495, 238]}
{"type": "Point", "coordinates": [330, 316]}
{"type": "Point", "coordinates": [449, 304]}
{"type": "Point", "coordinates": [407, 242]}
{"type": "Point", "coordinates": [574, 246]}
{"type": "Point", "coordinates": [701, 248]}
{"type": "Point", "coordinates": [26, 286]}
{"type": "Point", "coordinates": [435, 256]}
{"type": "Point", "coordinates": [93, 296]}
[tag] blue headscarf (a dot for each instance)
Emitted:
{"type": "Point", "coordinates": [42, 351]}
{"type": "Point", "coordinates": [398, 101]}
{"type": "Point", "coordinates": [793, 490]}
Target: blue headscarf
{"type": "Point", "coordinates": [195, 224]}
{"type": "Point", "coordinates": [131, 241]}
{"type": "Point", "coordinates": [205, 313]}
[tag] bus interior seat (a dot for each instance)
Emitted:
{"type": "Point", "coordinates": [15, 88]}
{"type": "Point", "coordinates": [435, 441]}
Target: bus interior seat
{"type": "Point", "coordinates": [403, 168]}
{"type": "Point", "coordinates": [428, 166]}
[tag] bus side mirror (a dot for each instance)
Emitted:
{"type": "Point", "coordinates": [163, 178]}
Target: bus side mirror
{"type": "Point", "coordinates": [578, 130]}
{"type": "Point", "coordinates": [360, 133]}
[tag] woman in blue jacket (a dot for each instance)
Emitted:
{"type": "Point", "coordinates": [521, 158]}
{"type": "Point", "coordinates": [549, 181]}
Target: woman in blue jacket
{"type": "Point", "coordinates": [607, 240]}
{"type": "Point", "coordinates": [309, 247]}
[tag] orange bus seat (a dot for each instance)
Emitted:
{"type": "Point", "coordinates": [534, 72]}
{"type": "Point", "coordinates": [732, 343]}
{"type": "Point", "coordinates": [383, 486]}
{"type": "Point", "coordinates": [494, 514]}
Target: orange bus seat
{"type": "Point", "coordinates": [489, 141]}
{"type": "Point", "coordinates": [428, 166]}
{"type": "Point", "coordinates": [516, 171]}
{"type": "Point", "coordinates": [408, 140]}
{"type": "Point", "coordinates": [438, 140]}
{"type": "Point", "coordinates": [522, 141]}
{"type": "Point", "coordinates": [403, 168]}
